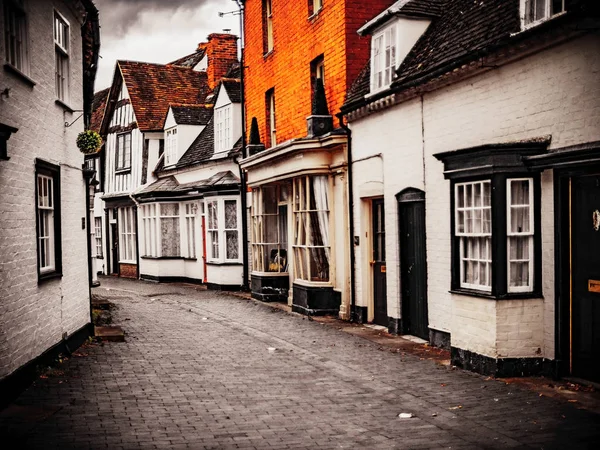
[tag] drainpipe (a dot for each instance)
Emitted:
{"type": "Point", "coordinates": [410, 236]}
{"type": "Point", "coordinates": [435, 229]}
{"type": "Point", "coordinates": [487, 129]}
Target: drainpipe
{"type": "Point", "coordinates": [243, 185]}
{"type": "Point", "coordinates": [344, 126]}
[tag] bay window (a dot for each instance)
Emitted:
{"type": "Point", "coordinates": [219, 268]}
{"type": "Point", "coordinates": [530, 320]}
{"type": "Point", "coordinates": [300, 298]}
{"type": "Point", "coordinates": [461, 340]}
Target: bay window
{"type": "Point", "coordinates": [190, 227]}
{"type": "Point", "coordinates": [270, 228]}
{"type": "Point", "coordinates": [520, 228]}
{"type": "Point", "coordinates": [311, 244]}
{"type": "Point", "coordinates": [169, 230]}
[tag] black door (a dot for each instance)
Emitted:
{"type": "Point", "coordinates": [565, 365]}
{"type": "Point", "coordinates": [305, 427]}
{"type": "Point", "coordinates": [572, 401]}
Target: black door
{"type": "Point", "coordinates": [413, 266]}
{"type": "Point", "coordinates": [114, 249]}
{"type": "Point", "coordinates": [585, 251]}
{"type": "Point", "coordinates": [378, 263]}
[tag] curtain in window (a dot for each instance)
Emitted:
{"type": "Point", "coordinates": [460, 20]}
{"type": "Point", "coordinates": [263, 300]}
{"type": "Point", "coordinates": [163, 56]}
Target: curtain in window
{"type": "Point", "coordinates": [321, 186]}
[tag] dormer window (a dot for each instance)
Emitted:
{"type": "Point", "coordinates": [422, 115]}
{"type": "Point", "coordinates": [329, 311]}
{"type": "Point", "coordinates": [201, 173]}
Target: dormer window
{"type": "Point", "coordinates": [171, 147]}
{"type": "Point", "coordinates": [383, 58]}
{"type": "Point", "coordinates": [223, 129]}
{"type": "Point", "coordinates": [537, 11]}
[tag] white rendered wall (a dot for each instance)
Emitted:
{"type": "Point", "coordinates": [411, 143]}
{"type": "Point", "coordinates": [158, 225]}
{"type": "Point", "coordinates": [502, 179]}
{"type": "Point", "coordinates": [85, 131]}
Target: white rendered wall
{"type": "Point", "coordinates": [34, 316]}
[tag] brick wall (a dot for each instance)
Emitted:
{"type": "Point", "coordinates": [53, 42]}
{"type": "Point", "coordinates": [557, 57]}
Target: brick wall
{"type": "Point", "coordinates": [298, 40]}
{"type": "Point", "coordinates": [33, 317]}
{"type": "Point", "coordinates": [554, 92]}
{"type": "Point", "coordinates": [221, 52]}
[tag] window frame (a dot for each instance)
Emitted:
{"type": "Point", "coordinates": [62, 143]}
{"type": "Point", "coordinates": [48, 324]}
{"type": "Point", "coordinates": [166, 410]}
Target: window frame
{"type": "Point", "coordinates": [223, 128]}
{"type": "Point", "coordinates": [393, 46]}
{"type": "Point", "coordinates": [126, 168]}
{"type": "Point", "coordinates": [99, 253]}
{"type": "Point", "coordinates": [548, 14]}
{"type": "Point", "coordinates": [317, 71]}
{"type": "Point", "coordinates": [171, 153]}
{"type": "Point", "coordinates": [314, 7]}
{"type": "Point", "coordinates": [271, 118]}
{"type": "Point", "coordinates": [127, 236]}
{"type": "Point", "coordinates": [21, 22]}
{"type": "Point", "coordinates": [221, 231]}
{"type": "Point", "coordinates": [52, 172]}
{"type": "Point", "coordinates": [500, 270]}
{"type": "Point", "coordinates": [62, 48]}
{"type": "Point", "coordinates": [267, 19]}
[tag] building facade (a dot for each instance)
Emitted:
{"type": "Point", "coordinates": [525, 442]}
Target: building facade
{"type": "Point", "coordinates": [296, 161]}
{"type": "Point", "coordinates": [48, 75]}
{"type": "Point", "coordinates": [479, 157]}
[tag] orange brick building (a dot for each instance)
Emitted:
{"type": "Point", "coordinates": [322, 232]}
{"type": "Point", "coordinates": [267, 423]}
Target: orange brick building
{"type": "Point", "coordinates": [300, 36]}
{"type": "Point", "coordinates": [298, 56]}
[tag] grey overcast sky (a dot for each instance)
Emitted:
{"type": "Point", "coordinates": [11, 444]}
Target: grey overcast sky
{"type": "Point", "coordinates": [157, 31]}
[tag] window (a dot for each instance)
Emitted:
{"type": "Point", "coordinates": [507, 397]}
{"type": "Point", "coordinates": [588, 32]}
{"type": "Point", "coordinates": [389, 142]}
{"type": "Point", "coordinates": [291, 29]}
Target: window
{"type": "Point", "coordinates": [223, 131]}
{"type": "Point", "coordinates": [191, 210]}
{"type": "Point", "coordinates": [171, 144]}
{"type": "Point", "coordinates": [15, 36]}
{"type": "Point", "coordinates": [169, 229]}
{"type": "Point", "coordinates": [520, 234]}
{"type": "Point", "coordinates": [271, 126]}
{"type": "Point", "coordinates": [270, 228]}
{"type": "Point", "coordinates": [314, 6]}
{"type": "Point", "coordinates": [383, 58]}
{"type": "Point", "coordinates": [536, 11]}
{"type": "Point", "coordinates": [267, 26]}
{"type": "Point", "coordinates": [223, 228]}
{"type": "Point", "coordinates": [48, 219]}
{"type": "Point", "coordinates": [127, 241]}
{"type": "Point", "coordinates": [474, 230]}
{"type": "Point", "coordinates": [123, 152]}
{"type": "Point", "coordinates": [61, 48]}
{"type": "Point", "coordinates": [98, 236]}
{"type": "Point", "coordinates": [311, 228]}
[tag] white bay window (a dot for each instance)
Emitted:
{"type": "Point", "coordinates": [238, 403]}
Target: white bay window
{"type": "Point", "coordinates": [520, 234]}
{"type": "Point", "coordinates": [169, 230]}
{"type": "Point", "coordinates": [223, 230]}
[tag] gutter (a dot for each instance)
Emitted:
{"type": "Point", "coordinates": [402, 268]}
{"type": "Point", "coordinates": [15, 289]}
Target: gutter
{"type": "Point", "coordinates": [344, 126]}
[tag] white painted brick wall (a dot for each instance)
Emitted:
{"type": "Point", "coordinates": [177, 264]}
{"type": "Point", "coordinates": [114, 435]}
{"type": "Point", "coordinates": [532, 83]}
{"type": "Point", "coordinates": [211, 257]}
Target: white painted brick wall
{"type": "Point", "coordinates": [34, 316]}
{"type": "Point", "coordinates": [555, 92]}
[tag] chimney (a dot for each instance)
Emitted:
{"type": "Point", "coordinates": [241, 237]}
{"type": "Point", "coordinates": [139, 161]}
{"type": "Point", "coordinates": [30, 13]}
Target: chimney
{"type": "Point", "coordinates": [221, 51]}
{"type": "Point", "coordinates": [320, 122]}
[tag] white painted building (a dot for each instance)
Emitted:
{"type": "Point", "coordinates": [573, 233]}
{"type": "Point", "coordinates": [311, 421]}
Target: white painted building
{"type": "Point", "coordinates": [44, 86]}
{"type": "Point", "coordinates": [477, 143]}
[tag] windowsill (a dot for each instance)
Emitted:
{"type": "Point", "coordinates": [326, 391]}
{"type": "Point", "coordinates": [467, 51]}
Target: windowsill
{"type": "Point", "coordinates": [123, 171]}
{"type": "Point", "coordinates": [64, 106]}
{"type": "Point", "coordinates": [49, 276]}
{"type": "Point", "coordinates": [271, 274]}
{"type": "Point", "coordinates": [313, 283]}
{"type": "Point", "coordinates": [533, 295]}
{"type": "Point", "coordinates": [169, 258]}
{"type": "Point", "coordinates": [315, 15]}
{"type": "Point", "coordinates": [128, 262]}
{"type": "Point", "coordinates": [377, 92]}
{"type": "Point", "coordinates": [10, 68]}
{"type": "Point", "coordinates": [531, 25]}
{"type": "Point", "coordinates": [224, 263]}
{"type": "Point", "coordinates": [269, 53]}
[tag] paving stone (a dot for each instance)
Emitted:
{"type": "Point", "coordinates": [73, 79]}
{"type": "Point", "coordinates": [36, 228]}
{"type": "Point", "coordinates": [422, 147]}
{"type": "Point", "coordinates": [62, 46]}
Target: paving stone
{"type": "Point", "coordinates": [183, 382]}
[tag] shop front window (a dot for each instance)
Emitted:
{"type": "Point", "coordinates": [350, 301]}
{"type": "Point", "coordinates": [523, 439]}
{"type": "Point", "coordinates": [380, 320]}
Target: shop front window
{"type": "Point", "coordinates": [270, 228]}
{"type": "Point", "coordinates": [311, 244]}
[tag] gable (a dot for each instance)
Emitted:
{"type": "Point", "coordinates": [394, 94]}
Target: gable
{"type": "Point", "coordinates": [222, 98]}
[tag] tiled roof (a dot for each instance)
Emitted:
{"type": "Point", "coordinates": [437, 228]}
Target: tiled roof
{"type": "Point", "coordinates": [153, 87]}
{"type": "Point", "coordinates": [233, 88]}
{"type": "Point", "coordinates": [191, 114]}
{"type": "Point", "coordinates": [191, 60]}
{"type": "Point", "coordinates": [201, 149]}
{"type": "Point", "coordinates": [235, 71]}
{"type": "Point", "coordinates": [464, 31]}
{"type": "Point", "coordinates": [98, 107]}
{"type": "Point", "coordinates": [169, 184]}
{"type": "Point", "coordinates": [412, 8]}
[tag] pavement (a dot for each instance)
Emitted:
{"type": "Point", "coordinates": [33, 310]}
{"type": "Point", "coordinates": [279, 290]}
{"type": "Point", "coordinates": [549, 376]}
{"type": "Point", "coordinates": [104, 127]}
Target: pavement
{"type": "Point", "coordinates": [205, 370]}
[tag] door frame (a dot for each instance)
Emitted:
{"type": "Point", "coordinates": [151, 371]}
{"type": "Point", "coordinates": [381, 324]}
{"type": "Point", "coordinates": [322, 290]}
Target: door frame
{"type": "Point", "coordinates": [371, 249]}
{"type": "Point", "coordinates": [562, 266]}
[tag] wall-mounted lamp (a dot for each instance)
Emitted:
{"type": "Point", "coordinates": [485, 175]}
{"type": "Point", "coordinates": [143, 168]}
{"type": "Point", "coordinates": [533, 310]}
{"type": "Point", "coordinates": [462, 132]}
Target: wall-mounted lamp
{"type": "Point", "coordinates": [5, 93]}
{"type": "Point", "coordinates": [5, 132]}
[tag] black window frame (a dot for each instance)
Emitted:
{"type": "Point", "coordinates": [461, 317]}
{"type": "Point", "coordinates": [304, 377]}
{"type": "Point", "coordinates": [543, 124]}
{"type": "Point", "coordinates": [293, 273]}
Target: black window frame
{"type": "Point", "coordinates": [496, 163]}
{"type": "Point", "coordinates": [124, 168]}
{"type": "Point", "coordinates": [52, 171]}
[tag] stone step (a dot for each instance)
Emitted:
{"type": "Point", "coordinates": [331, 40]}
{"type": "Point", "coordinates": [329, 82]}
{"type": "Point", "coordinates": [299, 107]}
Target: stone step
{"type": "Point", "coordinates": [110, 333]}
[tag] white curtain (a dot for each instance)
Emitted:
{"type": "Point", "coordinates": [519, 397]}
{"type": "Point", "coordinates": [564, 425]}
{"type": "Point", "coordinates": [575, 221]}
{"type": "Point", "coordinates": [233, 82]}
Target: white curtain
{"type": "Point", "coordinates": [321, 187]}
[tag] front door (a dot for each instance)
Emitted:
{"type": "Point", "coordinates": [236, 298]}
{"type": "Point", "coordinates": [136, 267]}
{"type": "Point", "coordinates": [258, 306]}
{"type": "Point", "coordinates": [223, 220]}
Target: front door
{"type": "Point", "coordinates": [413, 267]}
{"type": "Point", "coordinates": [585, 253]}
{"type": "Point", "coordinates": [378, 263]}
{"type": "Point", "coordinates": [114, 249]}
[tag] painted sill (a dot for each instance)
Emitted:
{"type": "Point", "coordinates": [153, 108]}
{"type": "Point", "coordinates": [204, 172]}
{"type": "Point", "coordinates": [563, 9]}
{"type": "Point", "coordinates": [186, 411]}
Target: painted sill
{"type": "Point", "coordinates": [64, 106]}
{"type": "Point", "coordinates": [224, 263]}
{"type": "Point", "coordinates": [10, 68]}
{"type": "Point", "coordinates": [315, 15]}
{"type": "Point", "coordinates": [269, 53]}
{"type": "Point", "coordinates": [271, 274]}
{"type": "Point", "coordinates": [49, 276]}
{"type": "Point", "coordinates": [123, 171]}
{"type": "Point", "coordinates": [531, 25]}
{"type": "Point", "coordinates": [533, 295]}
{"type": "Point", "coordinates": [317, 284]}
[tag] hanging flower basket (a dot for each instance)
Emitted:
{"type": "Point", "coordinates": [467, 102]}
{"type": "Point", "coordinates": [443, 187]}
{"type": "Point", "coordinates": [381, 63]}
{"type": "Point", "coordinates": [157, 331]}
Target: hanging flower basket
{"type": "Point", "coordinates": [89, 142]}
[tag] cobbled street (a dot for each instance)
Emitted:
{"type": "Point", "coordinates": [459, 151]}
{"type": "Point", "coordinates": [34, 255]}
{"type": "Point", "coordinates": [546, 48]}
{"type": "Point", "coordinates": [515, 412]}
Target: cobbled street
{"type": "Point", "coordinates": [198, 370]}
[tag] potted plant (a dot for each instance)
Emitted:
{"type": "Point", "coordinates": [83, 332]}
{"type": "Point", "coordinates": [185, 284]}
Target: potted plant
{"type": "Point", "coordinates": [89, 142]}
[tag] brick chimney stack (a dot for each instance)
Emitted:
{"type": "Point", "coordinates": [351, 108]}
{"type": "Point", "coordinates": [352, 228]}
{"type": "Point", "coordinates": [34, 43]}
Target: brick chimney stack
{"type": "Point", "coordinates": [221, 52]}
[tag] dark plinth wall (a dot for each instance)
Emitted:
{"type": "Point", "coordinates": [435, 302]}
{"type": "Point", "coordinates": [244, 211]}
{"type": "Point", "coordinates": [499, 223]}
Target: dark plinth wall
{"type": "Point", "coordinates": [268, 288]}
{"type": "Point", "coordinates": [316, 301]}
